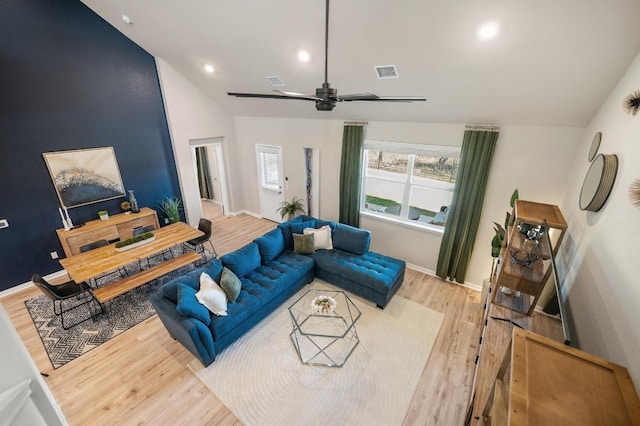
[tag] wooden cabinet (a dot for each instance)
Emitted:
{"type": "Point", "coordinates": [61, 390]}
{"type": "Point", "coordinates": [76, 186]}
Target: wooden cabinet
{"type": "Point", "coordinates": [525, 265]}
{"type": "Point", "coordinates": [118, 226]}
{"type": "Point", "coordinates": [551, 383]}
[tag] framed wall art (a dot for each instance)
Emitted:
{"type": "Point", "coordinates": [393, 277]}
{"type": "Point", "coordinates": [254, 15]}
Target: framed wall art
{"type": "Point", "coordinates": [85, 176]}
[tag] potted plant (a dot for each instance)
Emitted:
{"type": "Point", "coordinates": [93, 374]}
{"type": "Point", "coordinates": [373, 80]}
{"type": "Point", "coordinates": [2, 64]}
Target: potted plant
{"type": "Point", "coordinates": [290, 208]}
{"type": "Point", "coordinates": [171, 208]}
{"type": "Point", "coordinates": [498, 238]}
{"type": "Point", "coordinates": [103, 214]}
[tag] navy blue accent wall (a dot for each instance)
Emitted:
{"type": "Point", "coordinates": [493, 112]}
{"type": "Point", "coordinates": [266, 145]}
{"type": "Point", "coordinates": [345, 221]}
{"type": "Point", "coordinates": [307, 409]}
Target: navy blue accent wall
{"type": "Point", "coordinates": [69, 80]}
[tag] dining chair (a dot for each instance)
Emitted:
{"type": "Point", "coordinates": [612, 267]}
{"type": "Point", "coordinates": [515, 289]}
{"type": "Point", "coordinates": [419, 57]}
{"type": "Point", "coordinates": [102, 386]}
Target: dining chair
{"type": "Point", "coordinates": [94, 245]}
{"type": "Point", "coordinates": [62, 293]}
{"type": "Point", "coordinates": [197, 244]}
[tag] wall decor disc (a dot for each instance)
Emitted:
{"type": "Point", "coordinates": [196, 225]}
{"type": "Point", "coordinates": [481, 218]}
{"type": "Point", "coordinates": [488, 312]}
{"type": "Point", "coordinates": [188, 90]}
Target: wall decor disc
{"type": "Point", "coordinates": [634, 193]}
{"type": "Point", "coordinates": [598, 182]}
{"type": "Point", "coordinates": [632, 102]}
{"type": "Point", "coordinates": [595, 145]}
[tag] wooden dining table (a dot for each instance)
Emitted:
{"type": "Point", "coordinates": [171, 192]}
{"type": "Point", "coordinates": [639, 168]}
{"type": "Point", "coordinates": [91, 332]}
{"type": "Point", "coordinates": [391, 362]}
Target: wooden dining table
{"type": "Point", "coordinates": [91, 264]}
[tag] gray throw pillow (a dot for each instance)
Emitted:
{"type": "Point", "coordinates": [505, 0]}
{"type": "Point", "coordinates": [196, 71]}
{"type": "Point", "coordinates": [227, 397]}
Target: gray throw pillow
{"type": "Point", "coordinates": [231, 284]}
{"type": "Point", "coordinates": [303, 243]}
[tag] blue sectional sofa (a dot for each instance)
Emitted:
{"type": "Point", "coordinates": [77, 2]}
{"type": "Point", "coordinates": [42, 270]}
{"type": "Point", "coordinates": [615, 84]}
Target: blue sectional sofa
{"type": "Point", "coordinates": [270, 272]}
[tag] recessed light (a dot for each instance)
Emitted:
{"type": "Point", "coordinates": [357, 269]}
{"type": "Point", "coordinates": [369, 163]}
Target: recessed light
{"type": "Point", "coordinates": [304, 56]}
{"type": "Point", "coordinates": [209, 68]}
{"type": "Point", "coordinates": [488, 31]}
{"type": "Point", "coordinates": [127, 20]}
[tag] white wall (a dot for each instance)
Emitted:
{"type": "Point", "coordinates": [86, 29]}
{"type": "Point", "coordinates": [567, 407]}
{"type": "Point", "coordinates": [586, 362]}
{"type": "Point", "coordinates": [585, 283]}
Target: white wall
{"type": "Point", "coordinates": [533, 159]}
{"type": "Point", "coordinates": [602, 282]}
{"type": "Point", "coordinates": [191, 114]}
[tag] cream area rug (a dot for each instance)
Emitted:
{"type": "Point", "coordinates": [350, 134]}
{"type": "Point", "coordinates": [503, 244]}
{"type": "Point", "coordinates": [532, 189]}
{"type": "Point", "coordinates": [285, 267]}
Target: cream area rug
{"type": "Point", "coordinates": [262, 381]}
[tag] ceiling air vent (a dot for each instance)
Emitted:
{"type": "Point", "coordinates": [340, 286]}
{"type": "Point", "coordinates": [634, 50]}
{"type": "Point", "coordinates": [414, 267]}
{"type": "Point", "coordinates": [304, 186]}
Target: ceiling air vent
{"type": "Point", "coordinates": [275, 80]}
{"type": "Point", "coordinates": [386, 71]}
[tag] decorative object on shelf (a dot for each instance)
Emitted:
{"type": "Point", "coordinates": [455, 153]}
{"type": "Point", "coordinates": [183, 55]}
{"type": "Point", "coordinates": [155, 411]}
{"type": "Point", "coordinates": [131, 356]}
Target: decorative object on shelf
{"type": "Point", "coordinates": [289, 209]}
{"type": "Point", "coordinates": [632, 102]}
{"type": "Point", "coordinates": [323, 304]}
{"type": "Point", "coordinates": [136, 241]}
{"type": "Point", "coordinates": [84, 176]}
{"type": "Point", "coordinates": [595, 145]}
{"type": "Point", "coordinates": [65, 224]}
{"type": "Point", "coordinates": [598, 182]}
{"type": "Point", "coordinates": [125, 206]}
{"type": "Point", "coordinates": [133, 202]}
{"type": "Point", "coordinates": [523, 258]}
{"type": "Point", "coordinates": [634, 193]}
{"type": "Point", "coordinates": [103, 214]}
{"type": "Point", "coordinates": [171, 208]}
{"type": "Point", "coordinates": [535, 233]}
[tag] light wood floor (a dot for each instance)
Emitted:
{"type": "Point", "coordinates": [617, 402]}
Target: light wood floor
{"type": "Point", "coordinates": [140, 377]}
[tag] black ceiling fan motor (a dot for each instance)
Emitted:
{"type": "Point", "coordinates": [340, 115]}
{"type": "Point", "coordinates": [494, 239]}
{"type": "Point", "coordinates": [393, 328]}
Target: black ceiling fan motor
{"type": "Point", "coordinates": [328, 95]}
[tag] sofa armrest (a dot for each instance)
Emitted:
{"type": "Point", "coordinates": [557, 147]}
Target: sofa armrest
{"type": "Point", "coordinates": [192, 333]}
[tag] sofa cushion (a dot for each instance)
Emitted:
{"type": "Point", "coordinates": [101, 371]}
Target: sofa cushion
{"type": "Point", "coordinates": [351, 239]}
{"type": "Point", "coordinates": [192, 279]}
{"type": "Point", "coordinates": [189, 306]}
{"type": "Point", "coordinates": [320, 223]}
{"type": "Point", "coordinates": [260, 286]}
{"type": "Point", "coordinates": [212, 296]}
{"type": "Point", "coordinates": [270, 245]}
{"type": "Point", "coordinates": [299, 227]}
{"type": "Point", "coordinates": [243, 260]}
{"type": "Point", "coordinates": [373, 270]}
{"type": "Point", "coordinates": [303, 244]}
{"type": "Point", "coordinates": [231, 284]}
{"type": "Point", "coordinates": [286, 231]}
{"type": "Point", "coordinates": [321, 237]}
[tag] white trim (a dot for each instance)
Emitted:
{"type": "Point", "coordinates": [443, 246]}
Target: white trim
{"type": "Point", "coordinates": [422, 226]}
{"type": "Point", "coordinates": [413, 148]}
{"type": "Point", "coordinates": [466, 284]}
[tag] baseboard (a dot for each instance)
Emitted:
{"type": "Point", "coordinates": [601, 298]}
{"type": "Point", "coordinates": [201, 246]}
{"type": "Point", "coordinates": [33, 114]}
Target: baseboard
{"type": "Point", "coordinates": [247, 212]}
{"type": "Point", "coordinates": [28, 284]}
{"type": "Point", "coordinates": [466, 284]}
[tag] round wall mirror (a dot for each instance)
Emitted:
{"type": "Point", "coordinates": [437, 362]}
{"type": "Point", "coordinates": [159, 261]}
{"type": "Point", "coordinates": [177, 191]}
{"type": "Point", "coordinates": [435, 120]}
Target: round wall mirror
{"type": "Point", "coordinates": [598, 182]}
{"type": "Point", "coordinates": [595, 145]}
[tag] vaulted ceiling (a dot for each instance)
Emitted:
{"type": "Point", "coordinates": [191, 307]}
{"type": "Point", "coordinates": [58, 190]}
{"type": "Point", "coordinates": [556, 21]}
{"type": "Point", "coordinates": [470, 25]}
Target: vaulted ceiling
{"type": "Point", "coordinates": [552, 62]}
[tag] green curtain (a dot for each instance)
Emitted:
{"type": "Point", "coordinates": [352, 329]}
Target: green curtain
{"type": "Point", "coordinates": [468, 196]}
{"type": "Point", "coordinates": [350, 171]}
{"type": "Point", "coordinates": [204, 173]}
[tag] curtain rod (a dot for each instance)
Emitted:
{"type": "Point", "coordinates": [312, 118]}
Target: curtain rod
{"type": "Point", "coordinates": [481, 127]}
{"type": "Point", "coordinates": [355, 123]}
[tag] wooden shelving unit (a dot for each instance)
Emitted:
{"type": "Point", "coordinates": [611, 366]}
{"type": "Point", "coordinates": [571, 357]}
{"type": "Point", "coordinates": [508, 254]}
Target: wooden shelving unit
{"type": "Point", "coordinates": [519, 286]}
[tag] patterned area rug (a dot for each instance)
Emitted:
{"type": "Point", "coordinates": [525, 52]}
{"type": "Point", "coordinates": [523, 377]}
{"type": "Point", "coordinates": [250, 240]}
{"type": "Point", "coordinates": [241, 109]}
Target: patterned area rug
{"type": "Point", "coordinates": [121, 313]}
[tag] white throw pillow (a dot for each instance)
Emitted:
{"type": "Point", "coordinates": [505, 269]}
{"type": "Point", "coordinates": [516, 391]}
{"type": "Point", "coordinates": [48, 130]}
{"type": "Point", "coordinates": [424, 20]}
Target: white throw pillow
{"type": "Point", "coordinates": [321, 237]}
{"type": "Point", "coordinates": [212, 296]}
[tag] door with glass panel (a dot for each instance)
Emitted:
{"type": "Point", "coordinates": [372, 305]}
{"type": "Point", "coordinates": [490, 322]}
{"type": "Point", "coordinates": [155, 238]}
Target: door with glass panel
{"type": "Point", "coordinates": [270, 181]}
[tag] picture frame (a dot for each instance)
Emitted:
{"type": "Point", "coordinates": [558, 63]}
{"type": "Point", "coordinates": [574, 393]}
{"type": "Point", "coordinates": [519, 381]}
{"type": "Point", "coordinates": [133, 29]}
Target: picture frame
{"type": "Point", "coordinates": [85, 176]}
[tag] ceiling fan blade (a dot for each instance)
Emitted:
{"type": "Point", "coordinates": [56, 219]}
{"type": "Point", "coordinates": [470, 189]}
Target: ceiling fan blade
{"type": "Point", "coordinates": [271, 96]}
{"type": "Point", "coordinates": [299, 95]}
{"type": "Point", "coordinates": [369, 97]}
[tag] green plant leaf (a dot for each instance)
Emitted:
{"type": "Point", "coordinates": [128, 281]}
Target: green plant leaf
{"type": "Point", "coordinates": [514, 197]}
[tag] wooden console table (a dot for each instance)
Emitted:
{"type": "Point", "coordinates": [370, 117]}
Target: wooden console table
{"type": "Point", "coordinates": [119, 226]}
{"type": "Point", "coordinates": [554, 384]}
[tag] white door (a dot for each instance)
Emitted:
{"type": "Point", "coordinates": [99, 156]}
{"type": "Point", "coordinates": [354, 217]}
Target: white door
{"type": "Point", "coordinates": [270, 181]}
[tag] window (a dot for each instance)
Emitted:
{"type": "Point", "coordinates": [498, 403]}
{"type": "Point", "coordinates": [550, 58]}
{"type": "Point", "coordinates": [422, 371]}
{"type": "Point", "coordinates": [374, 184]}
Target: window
{"type": "Point", "coordinates": [269, 170]}
{"type": "Point", "coordinates": [409, 182]}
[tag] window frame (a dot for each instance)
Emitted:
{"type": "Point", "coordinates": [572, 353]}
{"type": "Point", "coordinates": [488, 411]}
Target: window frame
{"type": "Point", "coordinates": [408, 182]}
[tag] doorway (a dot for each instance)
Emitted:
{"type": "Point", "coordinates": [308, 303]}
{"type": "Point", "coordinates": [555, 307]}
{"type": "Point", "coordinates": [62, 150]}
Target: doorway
{"type": "Point", "coordinates": [208, 167]}
{"type": "Point", "coordinates": [270, 181]}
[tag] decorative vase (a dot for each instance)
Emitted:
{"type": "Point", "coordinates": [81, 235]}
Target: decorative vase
{"type": "Point", "coordinates": [133, 202]}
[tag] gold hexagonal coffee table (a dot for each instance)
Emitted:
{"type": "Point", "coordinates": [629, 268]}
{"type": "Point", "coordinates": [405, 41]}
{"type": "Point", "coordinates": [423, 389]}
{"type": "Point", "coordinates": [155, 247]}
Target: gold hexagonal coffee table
{"type": "Point", "coordinates": [324, 333]}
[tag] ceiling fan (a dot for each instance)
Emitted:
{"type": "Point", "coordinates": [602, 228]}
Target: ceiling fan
{"type": "Point", "coordinates": [327, 96]}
